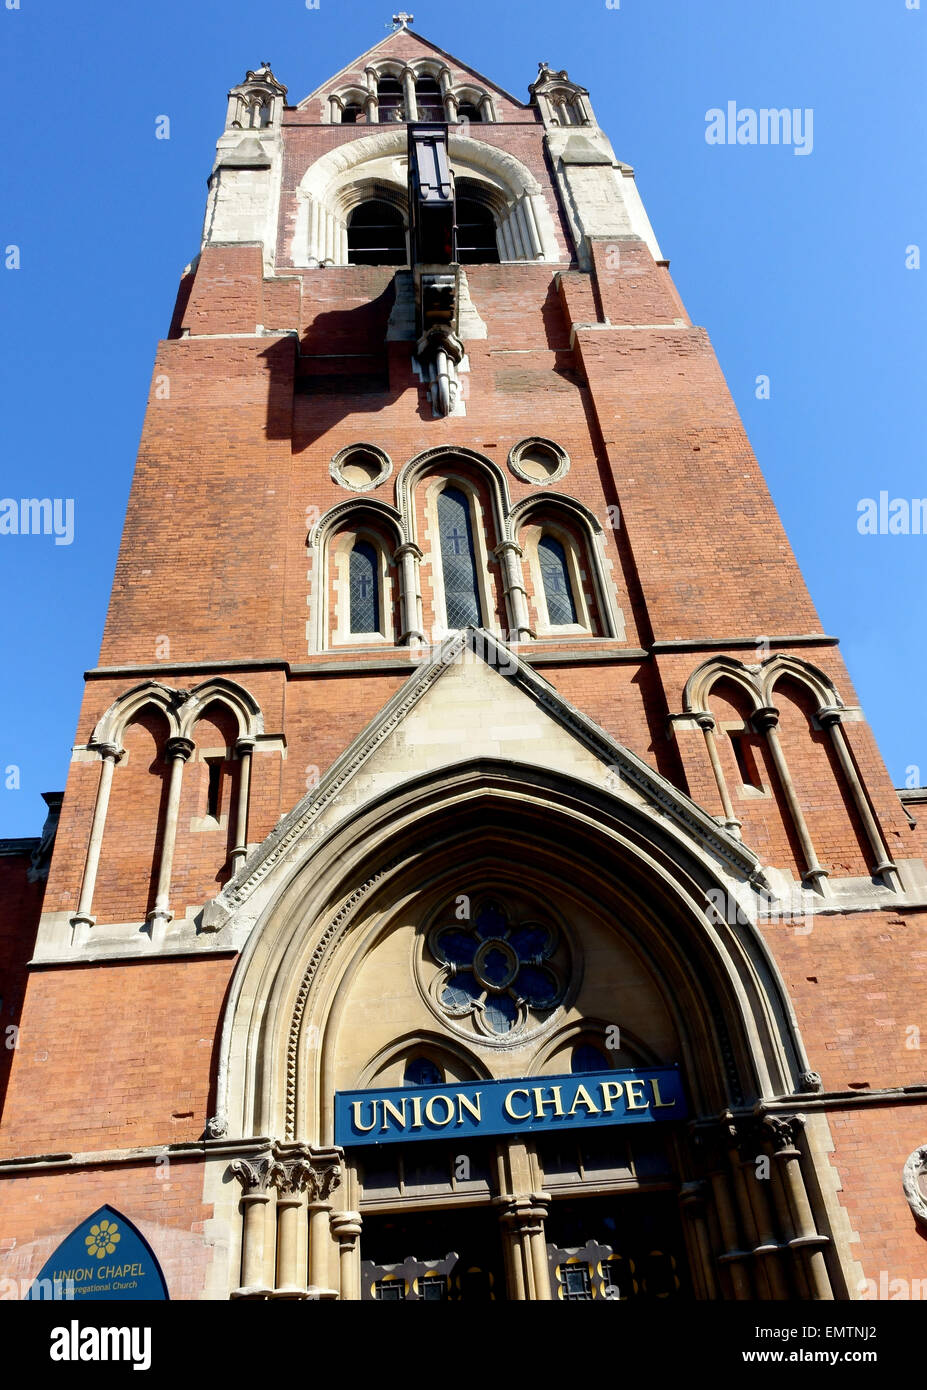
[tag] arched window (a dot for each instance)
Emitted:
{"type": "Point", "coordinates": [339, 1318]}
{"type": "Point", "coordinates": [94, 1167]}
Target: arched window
{"type": "Point", "coordinates": [586, 1057]}
{"type": "Point", "coordinates": [365, 589]}
{"type": "Point", "coordinates": [567, 112]}
{"type": "Point", "coordinates": [376, 235]}
{"type": "Point", "coordinates": [422, 1071]}
{"type": "Point", "coordinates": [389, 99]}
{"type": "Point", "coordinates": [476, 233]}
{"type": "Point", "coordinates": [429, 100]}
{"type": "Point", "coordinates": [469, 111]}
{"type": "Point", "coordinates": [458, 564]}
{"type": "Point", "coordinates": [558, 591]}
{"type": "Point", "coordinates": [351, 114]}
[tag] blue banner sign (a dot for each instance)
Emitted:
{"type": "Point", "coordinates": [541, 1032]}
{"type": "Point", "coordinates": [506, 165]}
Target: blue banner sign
{"type": "Point", "coordinates": [399, 1114]}
{"type": "Point", "coordinates": [104, 1258]}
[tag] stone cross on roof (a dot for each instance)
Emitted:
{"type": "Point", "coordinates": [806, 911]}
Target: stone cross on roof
{"type": "Point", "coordinates": [402, 19]}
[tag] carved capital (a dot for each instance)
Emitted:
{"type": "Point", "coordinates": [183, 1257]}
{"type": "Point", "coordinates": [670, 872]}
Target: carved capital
{"type": "Point", "coordinates": [781, 1133]}
{"type": "Point", "coordinates": [179, 748]}
{"type": "Point", "coordinates": [321, 1182]}
{"type": "Point", "coordinates": [293, 1176]}
{"type": "Point", "coordinates": [766, 718]}
{"type": "Point", "coordinates": [256, 1175]}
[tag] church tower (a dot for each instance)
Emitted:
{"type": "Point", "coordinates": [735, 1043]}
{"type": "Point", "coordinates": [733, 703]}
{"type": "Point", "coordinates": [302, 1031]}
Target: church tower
{"type": "Point", "coordinates": [475, 878]}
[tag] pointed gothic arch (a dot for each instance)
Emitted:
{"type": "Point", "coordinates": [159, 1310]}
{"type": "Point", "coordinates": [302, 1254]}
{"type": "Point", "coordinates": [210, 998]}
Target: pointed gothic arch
{"type": "Point", "coordinates": [292, 1018]}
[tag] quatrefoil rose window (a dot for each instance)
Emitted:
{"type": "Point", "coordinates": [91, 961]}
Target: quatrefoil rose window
{"type": "Point", "coordinates": [498, 969]}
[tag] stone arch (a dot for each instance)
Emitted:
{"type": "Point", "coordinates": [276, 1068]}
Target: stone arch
{"type": "Point", "coordinates": [425, 1042]}
{"type": "Point", "coordinates": [594, 1029]}
{"type": "Point", "coordinates": [698, 686]}
{"type": "Point", "coordinates": [295, 960]}
{"type": "Point", "coordinates": [353, 512]}
{"type": "Point", "coordinates": [778, 668]}
{"type": "Point", "coordinates": [111, 726]}
{"type": "Point", "coordinates": [293, 1000]}
{"type": "Point", "coordinates": [578, 518]}
{"type": "Point", "coordinates": [231, 696]}
{"type": "Point", "coordinates": [409, 475]}
{"type": "Point", "coordinates": [384, 154]}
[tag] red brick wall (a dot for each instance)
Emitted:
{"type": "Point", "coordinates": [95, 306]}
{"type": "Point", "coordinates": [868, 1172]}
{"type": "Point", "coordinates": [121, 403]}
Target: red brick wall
{"type": "Point", "coordinates": [20, 905]}
{"type": "Point", "coordinates": [871, 1147]}
{"type": "Point", "coordinates": [115, 1056]}
{"type": "Point", "coordinates": [39, 1210]}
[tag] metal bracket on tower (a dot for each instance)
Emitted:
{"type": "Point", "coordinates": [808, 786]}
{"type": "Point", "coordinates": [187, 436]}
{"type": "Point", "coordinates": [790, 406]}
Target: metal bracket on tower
{"type": "Point", "coordinates": [435, 274]}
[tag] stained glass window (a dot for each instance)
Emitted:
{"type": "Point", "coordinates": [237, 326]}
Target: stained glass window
{"type": "Point", "coordinates": [496, 967]}
{"type": "Point", "coordinates": [556, 576]}
{"type": "Point", "coordinates": [365, 589]}
{"type": "Point", "coordinates": [587, 1057]}
{"type": "Point", "coordinates": [422, 1071]}
{"type": "Point", "coordinates": [457, 559]}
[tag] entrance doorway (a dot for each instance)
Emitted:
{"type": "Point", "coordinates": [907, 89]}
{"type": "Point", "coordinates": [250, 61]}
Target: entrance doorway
{"type": "Point", "coordinates": [625, 1246]}
{"type": "Point", "coordinates": [432, 1256]}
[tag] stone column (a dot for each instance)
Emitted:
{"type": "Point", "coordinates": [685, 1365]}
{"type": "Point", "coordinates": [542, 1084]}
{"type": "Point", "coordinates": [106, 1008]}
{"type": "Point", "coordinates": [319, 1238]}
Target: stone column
{"type": "Point", "coordinates": [82, 921]}
{"type": "Point", "coordinates": [524, 1219]}
{"type": "Point", "coordinates": [410, 599]}
{"type": "Point", "coordinates": [244, 748]}
{"type": "Point", "coordinates": [486, 109]}
{"type": "Point", "coordinates": [178, 751]}
{"type": "Point", "coordinates": [509, 555]}
{"type": "Point", "coordinates": [706, 723]}
{"type": "Point", "coordinates": [408, 91]}
{"type": "Point", "coordinates": [291, 1177]}
{"type": "Point", "coordinates": [693, 1198]}
{"type": "Point", "coordinates": [712, 1145]}
{"type": "Point", "coordinates": [335, 109]}
{"type": "Point", "coordinates": [371, 102]}
{"type": "Point", "coordinates": [830, 717]}
{"type": "Point", "coordinates": [806, 1244]}
{"type": "Point", "coordinates": [324, 1178]}
{"type": "Point", "coordinates": [346, 1228]}
{"type": "Point", "coordinates": [757, 1190]}
{"type": "Point", "coordinates": [257, 1177]}
{"type": "Point", "coordinates": [767, 720]}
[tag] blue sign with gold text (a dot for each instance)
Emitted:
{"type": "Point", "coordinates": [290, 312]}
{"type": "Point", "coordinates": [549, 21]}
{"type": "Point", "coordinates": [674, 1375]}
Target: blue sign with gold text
{"type": "Point", "coordinates": [578, 1101]}
{"type": "Point", "coordinates": [105, 1258]}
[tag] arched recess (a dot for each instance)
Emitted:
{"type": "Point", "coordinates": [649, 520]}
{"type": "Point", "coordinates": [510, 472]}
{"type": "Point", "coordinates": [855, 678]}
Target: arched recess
{"type": "Point", "coordinates": [572, 518]}
{"type": "Point", "coordinates": [823, 709]}
{"type": "Point", "coordinates": [325, 191]}
{"type": "Point", "coordinates": [127, 878]}
{"type": "Point", "coordinates": [178, 712]}
{"type": "Point", "coordinates": [368, 515]}
{"type": "Point", "coordinates": [299, 1026]}
{"type": "Point", "coordinates": [496, 481]}
{"type": "Point", "coordinates": [498, 572]}
{"type": "Point", "coordinates": [340, 899]}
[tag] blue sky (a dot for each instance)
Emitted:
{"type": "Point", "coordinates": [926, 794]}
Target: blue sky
{"type": "Point", "coordinates": [795, 265]}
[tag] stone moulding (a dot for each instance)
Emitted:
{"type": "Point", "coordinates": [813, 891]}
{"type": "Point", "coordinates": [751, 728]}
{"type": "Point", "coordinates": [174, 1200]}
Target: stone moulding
{"type": "Point", "coordinates": [662, 798]}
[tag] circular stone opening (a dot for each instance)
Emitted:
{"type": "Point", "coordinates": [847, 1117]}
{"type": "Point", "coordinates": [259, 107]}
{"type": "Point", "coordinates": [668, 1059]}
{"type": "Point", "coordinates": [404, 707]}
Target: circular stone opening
{"type": "Point", "coordinates": [360, 468]}
{"type": "Point", "coordinates": [539, 462]}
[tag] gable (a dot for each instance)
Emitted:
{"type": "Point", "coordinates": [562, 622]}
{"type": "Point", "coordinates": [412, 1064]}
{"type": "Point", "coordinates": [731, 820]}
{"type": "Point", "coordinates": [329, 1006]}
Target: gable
{"type": "Point", "coordinates": [405, 45]}
{"type": "Point", "coordinates": [475, 699]}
